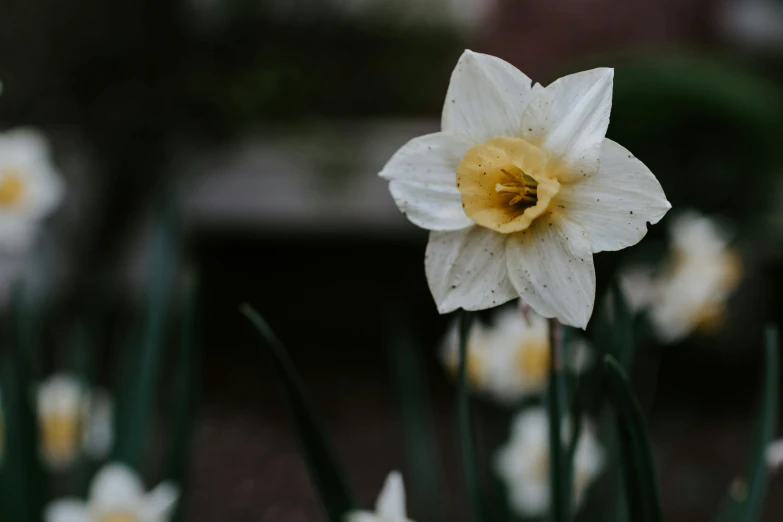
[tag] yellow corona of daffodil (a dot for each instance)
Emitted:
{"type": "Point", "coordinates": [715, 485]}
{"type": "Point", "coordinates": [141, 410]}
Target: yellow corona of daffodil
{"type": "Point", "coordinates": [72, 419]}
{"type": "Point", "coordinates": [520, 188]}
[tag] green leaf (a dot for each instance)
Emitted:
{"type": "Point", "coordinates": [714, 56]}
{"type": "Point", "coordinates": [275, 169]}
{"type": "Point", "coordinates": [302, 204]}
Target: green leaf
{"type": "Point", "coordinates": [745, 501]}
{"type": "Point", "coordinates": [134, 439]}
{"type": "Point", "coordinates": [184, 392]}
{"type": "Point", "coordinates": [637, 464]}
{"type": "Point", "coordinates": [325, 471]}
{"type": "Point", "coordinates": [23, 484]}
{"type": "Point", "coordinates": [623, 328]}
{"type": "Point", "coordinates": [416, 414]}
{"type": "Point", "coordinates": [475, 499]}
{"type": "Point", "coordinates": [557, 399]}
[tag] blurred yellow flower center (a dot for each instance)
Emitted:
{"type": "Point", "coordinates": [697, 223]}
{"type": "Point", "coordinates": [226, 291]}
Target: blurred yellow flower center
{"type": "Point", "coordinates": [505, 184]}
{"type": "Point", "coordinates": [60, 435]}
{"type": "Point", "coordinates": [532, 361]}
{"type": "Point", "coordinates": [118, 516]}
{"type": "Point", "coordinates": [11, 187]}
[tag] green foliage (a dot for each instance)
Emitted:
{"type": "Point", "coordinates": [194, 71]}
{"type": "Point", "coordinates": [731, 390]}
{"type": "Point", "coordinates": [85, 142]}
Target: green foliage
{"type": "Point", "coordinates": [22, 495]}
{"type": "Point", "coordinates": [336, 497]}
{"type": "Point", "coordinates": [745, 502]}
{"type": "Point", "coordinates": [184, 391]}
{"type": "Point", "coordinates": [469, 461]}
{"type": "Point", "coordinates": [638, 469]}
{"type": "Point", "coordinates": [416, 415]}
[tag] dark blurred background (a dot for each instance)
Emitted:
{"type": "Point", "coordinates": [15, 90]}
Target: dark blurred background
{"type": "Point", "coordinates": [269, 120]}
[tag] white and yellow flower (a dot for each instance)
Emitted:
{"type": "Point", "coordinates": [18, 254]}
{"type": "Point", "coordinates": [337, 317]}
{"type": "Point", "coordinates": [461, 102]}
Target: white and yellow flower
{"type": "Point", "coordinates": [509, 359]}
{"type": "Point", "coordinates": [523, 463]}
{"type": "Point", "coordinates": [31, 187]}
{"type": "Point", "coordinates": [390, 506]}
{"type": "Point", "coordinates": [691, 292]}
{"type": "Point", "coordinates": [72, 420]}
{"type": "Point", "coordinates": [520, 188]}
{"type": "Point", "coordinates": [117, 495]}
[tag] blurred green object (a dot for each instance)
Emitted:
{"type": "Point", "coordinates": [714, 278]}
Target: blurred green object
{"type": "Point", "coordinates": [557, 397]}
{"type": "Point", "coordinates": [417, 422]}
{"type": "Point", "coordinates": [133, 439]}
{"type": "Point", "coordinates": [745, 501]}
{"type": "Point", "coordinates": [469, 462]}
{"type": "Point", "coordinates": [708, 126]}
{"type": "Point", "coordinates": [638, 468]}
{"type": "Point", "coordinates": [184, 392]}
{"type": "Point", "coordinates": [23, 493]}
{"type": "Point", "coordinates": [325, 470]}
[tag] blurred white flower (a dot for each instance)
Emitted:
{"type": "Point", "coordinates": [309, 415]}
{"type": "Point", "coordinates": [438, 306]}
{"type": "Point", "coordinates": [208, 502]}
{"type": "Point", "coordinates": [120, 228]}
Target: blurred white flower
{"type": "Point", "coordinates": [523, 463]}
{"type": "Point", "coordinates": [520, 188]}
{"type": "Point", "coordinates": [71, 419]}
{"type": "Point", "coordinates": [390, 506]}
{"type": "Point", "coordinates": [756, 24]}
{"type": "Point", "coordinates": [691, 291]}
{"type": "Point", "coordinates": [774, 455]}
{"type": "Point", "coordinates": [117, 495]}
{"type": "Point", "coordinates": [509, 359]}
{"type": "Point", "coordinates": [31, 187]}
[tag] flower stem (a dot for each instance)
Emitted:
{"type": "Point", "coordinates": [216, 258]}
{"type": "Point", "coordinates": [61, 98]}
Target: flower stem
{"type": "Point", "coordinates": [560, 510]}
{"type": "Point", "coordinates": [465, 428]}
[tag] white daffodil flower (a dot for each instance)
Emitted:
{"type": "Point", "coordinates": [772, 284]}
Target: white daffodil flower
{"type": "Point", "coordinates": [117, 495]}
{"type": "Point", "coordinates": [691, 292]}
{"type": "Point", "coordinates": [390, 506]}
{"type": "Point", "coordinates": [31, 187]}
{"type": "Point", "coordinates": [509, 359]}
{"type": "Point", "coordinates": [774, 455]}
{"type": "Point", "coordinates": [72, 419]}
{"type": "Point", "coordinates": [523, 463]}
{"type": "Point", "coordinates": [520, 188]}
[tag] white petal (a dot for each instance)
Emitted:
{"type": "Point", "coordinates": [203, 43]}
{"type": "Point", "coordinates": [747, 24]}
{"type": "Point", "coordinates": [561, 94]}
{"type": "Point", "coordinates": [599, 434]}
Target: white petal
{"type": "Point", "coordinates": [60, 394]}
{"type": "Point", "coordinates": [391, 501]}
{"type": "Point", "coordinates": [467, 269]}
{"type": "Point", "coordinates": [362, 516]}
{"type": "Point", "coordinates": [569, 118]}
{"type": "Point", "coordinates": [423, 175]}
{"type": "Point", "coordinates": [24, 145]}
{"type": "Point", "coordinates": [486, 98]}
{"type": "Point", "coordinates": [160, 502]}
{"type": "Point", "coordinates": [116, 486]}
{"type": "Point", "coordinates": [551, 266]}
{"type": "Point", "coordinates": [66, 510]}
{"type": "Point", "coordinates": [17, 234]}
{"type": "Point", "coordinates": [99, 428]}
{"type": "Point", "coordinates": [616, 204]}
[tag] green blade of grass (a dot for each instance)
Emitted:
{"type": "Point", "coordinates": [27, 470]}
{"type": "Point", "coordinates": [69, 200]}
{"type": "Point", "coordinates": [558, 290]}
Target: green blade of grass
{"type": "Point", "coordinates": [557, 398]}
{"type": "Point", "coordinates": [24, 484]}
{"type": "Point", "coordinates": [184, 393]}
{"type": "Point", "coordinates": [638, 468]}
{"type": "Point", "coordinates": [325, 470]}
{"type": "Point", "coordinates": [475, 500]}
{"type": "Point", "coordinates": [134, 439]}
{"type": "Point", "coordinates": [746, 500]}
{"type": "Point", "coordinates": [416, 414]}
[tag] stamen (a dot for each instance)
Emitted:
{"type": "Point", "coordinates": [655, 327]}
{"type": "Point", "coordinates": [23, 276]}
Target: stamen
{"type": "Point", "coordinates": [523, 186]}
